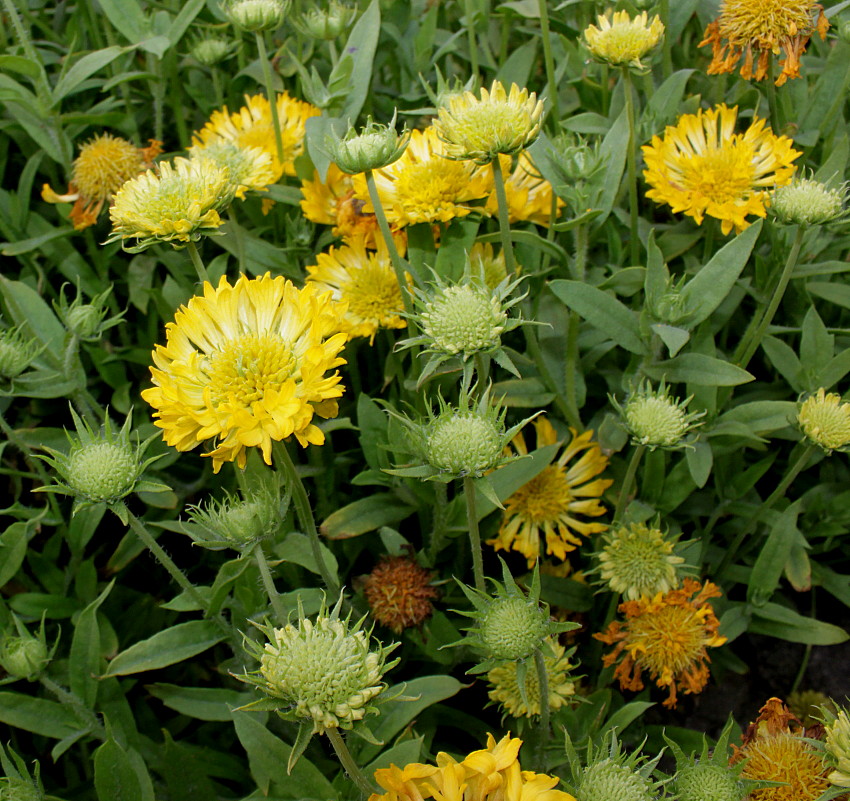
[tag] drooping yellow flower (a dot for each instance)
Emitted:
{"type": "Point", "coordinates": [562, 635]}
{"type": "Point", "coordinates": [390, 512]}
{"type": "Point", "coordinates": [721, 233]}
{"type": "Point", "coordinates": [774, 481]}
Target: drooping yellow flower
{"type": "Point", "coordinates": [251, 126]}
{"type": "Point", "coordinates": [366, 282]}
{"type": "Point", "coordinates": [480, 128]}
{"type": "Point", "coordinates": [620, 40]}
{"type": "Point", "coordinates": [701, 166]}
{"type": "Point", "coordinates": [667, 636]}
{"type": "Point", "coordinates": [105, 162]}
{"type": "Point", "coordinates": [177, 203]}
{"type": "Point", "coordinates": [755, 29]}
{"type": "Point", "coordinates": [425, 186]}
{"type": "Point", "coordinates": [776, 750]}
{"type": "Point", "coordinates": [553, 502]}
{"type": "Point", "coordinates": [825, 420]}
{"type": "Point", "coordinates": [490, 774]}
{"type": "Point", "coordinates": [250, 169]}
{"type": "Point", "coordinates": [529, 193]}
{"type": "Point", "coordinates": [332, 202]}
{"type": "Point", "coordinates": [246, 365]}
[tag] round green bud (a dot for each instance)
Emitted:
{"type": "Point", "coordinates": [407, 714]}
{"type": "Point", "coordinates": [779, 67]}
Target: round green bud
{"type": "Point", "coordinates": [254, 16]}
{"type": "Point", "coordinates": [656, 420]}
{"type": "Point", "coordinates": [806, 201]}
{"type": "Point", "coordinates": [15, 788]}
{"type": "Point", "coordinates": [375, 147]}
{"type": "Point", "coordinates": [707, 782]}
{"type": "Point", "coordinates": [210, 51]}
{"type": "Point", "coordinates": [103, 471]}
{"type": "Point", "coordinates": [236, 523]}
{"type": "Point", "coordinates": [23, 657]}
{"type": "Point", "coordinates": [608, 780]}
{"type": "Point", "coordinates": [16, 354]}
{"type": "Point", "coordinates": [512, 628]}
{"type": "Point", "coordinates": [83, 320]}
{"type": "Point", "coordinates": [464, 442]}
{"type": "Point", "coordinates": [465, 318]}
{"type": "Point", "coordinates": [327, 23]}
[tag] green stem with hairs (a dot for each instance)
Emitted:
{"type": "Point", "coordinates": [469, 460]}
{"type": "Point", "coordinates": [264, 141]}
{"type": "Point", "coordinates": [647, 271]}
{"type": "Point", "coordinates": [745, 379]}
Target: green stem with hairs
{"type": "Point", "coordinates": [305, 514]}
{"type": "Point", "coordinates": [543, 682]}
{"type": "Point", "coordinates": [270, 93]}
{"type": "Point", "coordinates": [347, 761]}
{"type": "Point", "coordinates": [268, 583]}
{"type": "Point", "coordinates": [549, 62]}
{"type": "Point", "coordinates": [631, 164]}
{"type": "Point", "coordinates": [572, 360]}
{"type": "Point", "coordinates": [203, 276]}
{"type": "Point", "coordinates": [75, 705]}
{"type": "Point", "coordinates": [474, 536]}
{"type": "Point", "coordinates": [629, 479]}
{"type": "Point", "coordinates": [504, 217]}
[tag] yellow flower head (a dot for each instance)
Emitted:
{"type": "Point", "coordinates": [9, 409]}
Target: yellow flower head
{"type": "Point", "coordinates": [251, 126]}
{"type": "Point", "coordinates": [755, 29]}
{"type": "Point", "coordinates": [490, 774]}
{"type": "Point", "coordinates": [776, 750]}
{"type": "Point", "coordinates": [332, 202]}
{"type": "Point", "coordinates": [701, 166]}
{"type": "Point", "coordinates": [104, 164]}
{"type": "Point", "coordinates": [245, 365]}
{"type": "Point", "coordinates": [425, 186]}
{"type": "Point", "coordinates": [366, 282]}
{"type": "Point", "coordinates": [505, 689]}
{"type": "Point", "coordinates": [667, 636]}
{"type": "Point", "coordinates": [249, 168]}
{"type": "Point", "coordinates": [529, 194]}
{"type": "Point", "coordinates": [176, 203]}
{"type": "Point", "coordinates": [620, 40]}
{"type": "Point", "coordinates": [825, 420]}
{"type": "Point", "coordinates": [554, 502]}
{"type": "Point", "coordinates": [480, 128]}
{"type": "Point", "coordinates": [399, 593]}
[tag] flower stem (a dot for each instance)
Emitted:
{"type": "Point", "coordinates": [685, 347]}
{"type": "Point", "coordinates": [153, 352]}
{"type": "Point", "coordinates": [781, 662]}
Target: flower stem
{"type": "Point", "coordinates": [667, 44]}
{"type": "Point", "coordinates": [474, 536]}
{"type": "Point", "coordinates": [203, 276]}
{"type": "Point", "coordinates": [549, 63]}
{"type": "Point", "coordinates": [75, 705]}
{"type": "Point", "coordinates": [347, 762]}
{"type": "Point", "coordinates": [750, 345]}
{"type": "Point", "coordinates": [631, 472]}
{"type": "Point", "coordinates": [268, 583]}
{"type": "Point", "coordinates": [543, 728]}
{"type": "Point", "coordinates": [270, 93]}
{"type": "Point", "coordinates": [504, 224]}
{"type": "Point", "coordinates": [305, 515]}
{"type": "Point", "coordinates": [469, 18]}
{"type": "Point", "coordinates": [571, 365]}
{"type": "Point", "coordinates": [395, 258]}
{"type": "Point", "coordinates": [631, 163]}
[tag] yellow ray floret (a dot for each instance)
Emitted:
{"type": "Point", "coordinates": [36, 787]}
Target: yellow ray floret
{"type": "Point", "coordinates": [702, 167]}
{"type": "Point", "coordinates": [529, 194]}
{"type": "Point", "coordinates": [247, 365]}
{"type": "Point", "coordinates": [621, 40]}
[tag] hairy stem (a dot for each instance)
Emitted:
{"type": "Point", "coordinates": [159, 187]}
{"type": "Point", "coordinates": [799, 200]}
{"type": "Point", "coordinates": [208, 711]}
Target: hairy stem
{"type": "Point", "coordinates": [474, 536]}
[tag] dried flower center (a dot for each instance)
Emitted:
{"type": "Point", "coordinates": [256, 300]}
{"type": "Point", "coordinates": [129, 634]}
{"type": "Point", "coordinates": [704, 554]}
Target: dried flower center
{"type": "Point", "coordinates": [545, 498]}
{"type": "Point", "coordinates": [765, 23]}
{"type": "Point", "coordinates": [246, 367]}
{"type": "Point", "coordinates": [104, 164]}
{"type": "Point", "coordinates": [669, 641]}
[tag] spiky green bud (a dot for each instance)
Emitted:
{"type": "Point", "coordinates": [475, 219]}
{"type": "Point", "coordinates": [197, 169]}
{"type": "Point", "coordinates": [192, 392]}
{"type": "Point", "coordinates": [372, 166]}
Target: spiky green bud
{"type": "Point", "coordinates": [86, 321]}
{"type": "Point", "coordinates": [257, 15]}
{"type": "Point", "coordinates": [708, 782]}
{"type": "Point", "coordinates": [327, 23]}
{"type": "Point", "coordinates": [23, 657]}
{"type": "Point", "coordinates": [16, 352]}
{"type": "Point", "coordinates": [374, 147]}
{"type": "Point", "coordinates": [656, 420]}
{"type": "Point", "coordinates": [465, 442]}
{"type": "Point", "coordinates": [806, 201]}
{"type": "Point", "coordinates": [211, 50]}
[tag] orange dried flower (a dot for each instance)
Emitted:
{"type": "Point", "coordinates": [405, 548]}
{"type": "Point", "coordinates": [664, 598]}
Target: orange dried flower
{"type": "Point", "coordinates": [399, 593]}
{"type": "Point", "coordinates": [667, 636]}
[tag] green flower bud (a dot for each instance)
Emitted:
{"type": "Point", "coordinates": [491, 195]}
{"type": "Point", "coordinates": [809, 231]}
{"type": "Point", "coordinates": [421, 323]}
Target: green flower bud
{"type": "Point", "coordinates": [703, 781]}
{"type": "Point", "coordinates": [18, 789]}
{"type": "Point", "coordinates": [86, 321]}
{"type": "Point", "coordinates": [327, 23]}
{"type": "Point", "coordinates": [23, 657]}
{"type": "Point", "coordinates": [257, 15]}
{"type": "Point", "coordinates": [375, 147]}
{"type": "Point", "coordinates": [465, 318]}
{"type": "Point", "coordinates": [83, 320]}
{"type": "Point", "coordinates": [465, 442]}
{"type": "Point", "coordinates": [512, 628]}
{"type": "Point", "coordinates": [838, 748]}
{"type": "Point", "coordinates": [656, 420]}
{"type": "Point", "coordinates": [825, 420]}
{"type": "Point", "coordinates": [16, 352]}
{"type": "Point", "coordinates": [211, 50]}
{"type": "Point", "coordinates": [608, 779]}
{"type": "Point", "coordinates": [806, 201]}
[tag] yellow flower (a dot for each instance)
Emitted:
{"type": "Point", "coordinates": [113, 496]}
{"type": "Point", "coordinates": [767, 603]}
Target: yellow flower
{"type": "Point", "coordinates": [759, 28]}
{"type": "Point", "coordinates": [480, 128]}
{"type": "Point", "coordinates": [251, 126]}
{"type": "Point", "coordinates": [552, 503]}
{"type": "Point", "coordinates": [249, 168]}
{"type": "Point", "coordinates": [332, 202]}
{"type": "Point", "coordinates": [529, 193]}
{"type": "Point", "coordinates": [667, 636]}
{"type": "Point", "coordinates": [177, 204]}
{"type": "Point", "coordinates": [425, 186]}
{"type": "Point", "coordinates": [246, 365]}
{"type": "Point", "coordinates": [505, 686]}
{"type": "Point", "coordinates": [366, 282]}
{"type": "Point", "coordinates": [103, 165]}
{"type": "Point", "coordinates": [702, 166]}
{"type": "Point", "coordinates": [490, 774]}
{"type": "Point", "coordinates": [825, 420]}
{"type": "Point", "coordinates": [622, 40]}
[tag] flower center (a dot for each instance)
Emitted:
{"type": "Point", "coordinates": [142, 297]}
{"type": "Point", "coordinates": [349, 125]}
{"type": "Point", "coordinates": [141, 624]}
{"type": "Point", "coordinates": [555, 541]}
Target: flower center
{"type": "Point", "coordinates": [543, 499]}
{"type": "Point", "coordinates": [489, 126]}
{"type": "Point", "coordinates": [428, 188]}
{"type": "Point", "coordinates": [104, 164]}
{"type": "Point", "coordinates": [765, 22]}
{"type": "Point", "coordinates": [668, 641]}
{"type": "Point", "coordinates": [374, 293]}
{"type": "Point", "coordinates": [785, 758]}
{"type": "Point", "coordinates": [720, 174]}
{"type": "Point", "coordinates": [246, 367]}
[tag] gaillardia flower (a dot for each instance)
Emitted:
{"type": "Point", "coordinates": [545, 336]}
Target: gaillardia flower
{"type": "Point", "coordinates": [838, 746]}
{"type": "Point", "coordinates": [104, 164]}
{"type": "Point", "coordinates": [825, 420]}
{"type": "Point", "coordinates": [177, 204]}
{"type": "Point", "coordinates": [246, 365]}
{"type": "Point", "coordinates": [256, 15]}
{"type": "Point", "coordinates": [552, 504]}
{"type": "Point", "coordinates": [491, 774]}
{"type": "Point", "coordinates": [621, 40]}
{"type": "Point", "coordinates": [399, 593]}
{"type": "Point", "coordinates": [528, 193]}
{"type": "Point", "coordinates": [480, 128]}
{"type": "Point", "coordinates": [248, 168]}
{"type": "Point", "coordinates": [757, 29]}
{"type": "Point", "coordinates": [366, 281]}
{"type": "Point", "coordinates": [667, 636]}
{"type": "Point", "coordinates": [701, 166]}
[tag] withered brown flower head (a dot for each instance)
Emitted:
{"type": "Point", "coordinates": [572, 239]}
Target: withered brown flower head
{"type": "Point", "coordinates": [399, 593]}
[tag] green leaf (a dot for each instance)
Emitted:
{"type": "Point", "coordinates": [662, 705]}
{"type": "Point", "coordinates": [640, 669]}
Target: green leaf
{"type": "Point", "coordinates": [566, 593]}
{"type": "Point", "coordinates": [816, 343]}
{"type": "Point", "coordinates": [366, 514]}
{"type": "Point", "coordinates": [551, 249]}
{"type": "Point", "coordinates": [762, 417]}
{"type": "Point", "coordinates": [361, 45]}
{"type": "Point", "coordinates": [166, 647]}
{"type": "Point", "coordinates": [785, 360]}
{"type": "Point", "coordinates": [699, 369]}
{"type": "Point", "coordinates": [404, 753]}
{"type": "Point", "coordinates": [127, 17]}
{"type": "Point", "coordinates": [778, 621]}
{"type": "Point", "coordinates": [764, 578]}
{"type": "Point", "coordinates": [37, 715]}
{"type": "Point", "coordinates": [296, 548]}
{"type": "Point", "coordinates": [710, 286]}
{"type": "Point", "coordinates": [188, 11]}
{"type": "Point", "coordinates": [84, 68]}
{"type": "Point", "coordinates": [84, 662]}
{"type": "Point", "coordinates": [613, 152]}
{"type": "Point", "coordinates": [700, 460]}
{"type": "Point", "coordinates": [831, 291]}
{"type": "Point", "coordinates": [13, 549]}
{"type": "Point", "coordinates": [21, 65]}
{"type": "Point", "coordinates": [627, 715]}
{"type": "Point", "coordinates": [203, 703]}
{"type": "Point", "coordinates": [603, 312]}
{"type": "Point", "coordinates": [115, 774]}
{"type": "Point", "coordinates": [674, 338]}
{"type": "Point", "coordinates": [26, 308]}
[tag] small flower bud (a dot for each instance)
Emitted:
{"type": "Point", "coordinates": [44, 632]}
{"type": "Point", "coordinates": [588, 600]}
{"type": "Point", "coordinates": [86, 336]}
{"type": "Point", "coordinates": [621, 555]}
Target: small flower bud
{"type": "Point", "coordinates": [255, 16]}
{"type": "Point", "coordinates": [19, 789]}
{"type": "Point", "coordinates": [656, 420]}
{"type": "Point", "coordinates": [83, 320]}
{"type": "Point", "coordinates": [23, 657]}
{"type": "Point", "coordinates": [327, 23]}
{"type": "Point", "coordinates": [465, 318]}
{"type": "Point", "coordinates": [608, 779]}
{"type": "Point", "coordinates": [621, 40]}
{"type": "Point", "coordinates": [465, 442]}
{"type": "Point", "coordinates": [707, 781]}
{"type": "Point", "coordinates": [86, 321]}
{"type": "Point", "coordinates": [512, 628]}
{"type": "Point", "coordinates": [16, 352]}
{"type": "Point", "coordinates": [375, 147]}
{"type": "Point", "coordinates": [806, 201]}
{"type": "Point", "coordinates": [211, 50]}
{"type": "Point", "coordinates": [825, 420]}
